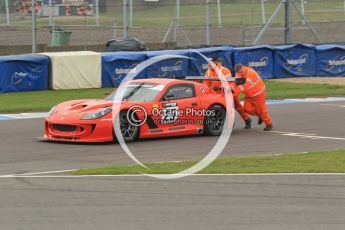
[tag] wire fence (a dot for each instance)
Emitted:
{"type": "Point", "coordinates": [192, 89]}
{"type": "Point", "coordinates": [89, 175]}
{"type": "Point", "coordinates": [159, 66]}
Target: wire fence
{"type": "Point", "coordinates": [188, 22]}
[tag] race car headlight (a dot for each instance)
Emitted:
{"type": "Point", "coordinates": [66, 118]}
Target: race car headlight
{"type": "Point", "coordinates": [97, 114]}
{"type": "Point", "coordinates": [51, 111]}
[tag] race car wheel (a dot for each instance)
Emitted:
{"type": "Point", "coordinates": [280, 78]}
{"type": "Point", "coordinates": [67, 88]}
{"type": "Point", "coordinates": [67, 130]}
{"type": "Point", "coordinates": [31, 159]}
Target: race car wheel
{"type": "Point", "coordinates": [128, 127]}
{"type": "Point", "coordinates": [214, 123]}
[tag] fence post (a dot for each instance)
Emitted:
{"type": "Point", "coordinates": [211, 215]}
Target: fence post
{"type": "Point", "coordinates": [302, 10]}
{"type": "Point", "coordinates": [263, 13]}
{"type": "Point", "coordinates": [50, 12]}
{"type": "Point", "coordinates": [96, 3]}
{"type": "Point", "coordinates": [34, 27]}
{"type": "Point", "coordinates": [125, 19]}
{"type": "Point", "coordinates": [7, 13]}
{"type": "Point", "coordinates": [288, 22]}
{"type": "Point", "coordinates": [219, 13]}
{"type": "Point", "coordinates": [130, 13]}
{"type": "Point", "coordinates": [208, 22]}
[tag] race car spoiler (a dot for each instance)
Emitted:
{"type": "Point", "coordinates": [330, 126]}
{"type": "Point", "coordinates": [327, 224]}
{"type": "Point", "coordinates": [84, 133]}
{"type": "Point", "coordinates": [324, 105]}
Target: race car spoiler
{"type": "Point", "coordinates": [237, 80]}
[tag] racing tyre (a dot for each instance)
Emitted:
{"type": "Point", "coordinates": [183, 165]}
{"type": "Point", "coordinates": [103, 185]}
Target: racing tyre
{"type": "Point", "coordinates": [214, 123]}
{"type": "Point", "coordinates": [128, 127]}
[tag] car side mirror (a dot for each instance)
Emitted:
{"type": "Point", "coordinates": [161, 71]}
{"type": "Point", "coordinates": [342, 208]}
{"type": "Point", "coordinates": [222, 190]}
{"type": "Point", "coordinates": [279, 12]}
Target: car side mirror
{"type": "Point", "coordinates": [169, 96]}
{"type": "Point", "coordinates": [240, 81]}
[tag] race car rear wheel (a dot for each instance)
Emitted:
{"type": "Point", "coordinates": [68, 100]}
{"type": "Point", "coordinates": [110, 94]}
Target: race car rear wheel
{"type": "Point", "coordinates": [129, 128]}
{"type": "Point", "coordinates": [214, 123]}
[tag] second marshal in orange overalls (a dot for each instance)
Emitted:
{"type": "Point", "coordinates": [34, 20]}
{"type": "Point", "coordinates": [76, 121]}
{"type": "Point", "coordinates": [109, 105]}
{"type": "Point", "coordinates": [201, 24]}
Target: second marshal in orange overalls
{"type": "Point", "coordinates": [255, 95]}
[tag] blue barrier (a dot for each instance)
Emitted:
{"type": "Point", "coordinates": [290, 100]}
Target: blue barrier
{"type": "Point", "coordinates": [30, 72]}
{"type": "Point", "coordinates": [330, 60]}
{"type": "Point", "coordinates": [116, 65]}
{"type": "Point", "coordinates": [168, 68]}
{"type": "Point", "coordinates": [23, 73]}
{"type": "Point", "coordinates": [198, 65]}
{"type": "Point", "coordinates": [259, 58]}
{"type": "Point", "coordinates": [294, 61]}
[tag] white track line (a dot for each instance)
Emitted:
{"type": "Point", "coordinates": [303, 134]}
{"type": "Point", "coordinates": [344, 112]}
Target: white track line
{"type": "Point", "coordinates": [309, 136]}
{"type": "Point", "coordinates": [47, 172]}
{"type": "Point", "coordinates": [288, 133]}
{"type": "Point", "coordinates": [142, 175]}
{"type": "Point", "coordinates": [37, 173]}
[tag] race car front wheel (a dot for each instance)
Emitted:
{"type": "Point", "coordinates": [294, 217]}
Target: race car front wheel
{"type": "Point", "coordinates": [214, 123]}
{"type": "Point", "coordinates": [129, 128]}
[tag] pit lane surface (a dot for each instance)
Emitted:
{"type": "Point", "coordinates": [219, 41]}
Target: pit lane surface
{"type": "Point", "coordinates": [197, 202]}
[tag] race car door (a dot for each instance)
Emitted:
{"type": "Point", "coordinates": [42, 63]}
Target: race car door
{"type": "Point", "coordinates": [180, 110]}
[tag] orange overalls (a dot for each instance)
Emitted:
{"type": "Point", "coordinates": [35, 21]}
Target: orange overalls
{"type": "Point", "coordinates": [255, 95]}
{"type": "Point", "coordinates": [237, 102]}
{"type": "Point", "coordinates": [211, 73]}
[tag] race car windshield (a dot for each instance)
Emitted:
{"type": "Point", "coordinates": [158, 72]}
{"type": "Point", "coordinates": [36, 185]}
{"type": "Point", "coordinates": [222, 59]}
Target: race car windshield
{"type": "Point", "coordinates": [140, 92]}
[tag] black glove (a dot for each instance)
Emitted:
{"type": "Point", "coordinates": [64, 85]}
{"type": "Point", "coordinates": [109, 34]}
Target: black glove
{"type": "Point", "coordinates": [240, 81]}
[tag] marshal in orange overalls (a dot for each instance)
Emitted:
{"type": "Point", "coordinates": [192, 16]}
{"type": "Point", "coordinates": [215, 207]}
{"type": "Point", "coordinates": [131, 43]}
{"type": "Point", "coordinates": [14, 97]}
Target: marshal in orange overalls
{"type": "Point", "coordinates": [212, 73]}
{"type": "Point", "coordinates": [217, 86]}
{"type": "Point", "coordinates": [255, 94]}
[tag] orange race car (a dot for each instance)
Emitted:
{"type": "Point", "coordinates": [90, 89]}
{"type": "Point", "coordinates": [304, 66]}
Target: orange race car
{"type": "Point", "coordinates": [149, 108]}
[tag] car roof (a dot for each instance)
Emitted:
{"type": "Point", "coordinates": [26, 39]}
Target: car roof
{"type": "Point", "coordinates": [163, 81]}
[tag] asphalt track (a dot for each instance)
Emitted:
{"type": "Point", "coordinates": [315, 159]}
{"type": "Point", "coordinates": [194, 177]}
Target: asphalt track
{"type": "Point", "coordinates": [22, 152]}
{"type": "Point", "coordinates": [197, 202]}
{"type": "Point", "coordinates": [193, 203]}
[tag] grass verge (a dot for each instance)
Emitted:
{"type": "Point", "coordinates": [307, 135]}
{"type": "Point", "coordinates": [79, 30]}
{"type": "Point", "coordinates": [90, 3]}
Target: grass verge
{"type": "Point", "coordinates": [313, 162]}
{"type": "Point", "coordinates": [284, 90]}
{"type": "Point", "coordinates": [44, 100]}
